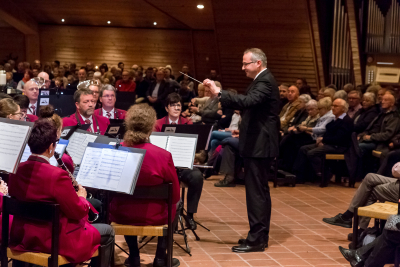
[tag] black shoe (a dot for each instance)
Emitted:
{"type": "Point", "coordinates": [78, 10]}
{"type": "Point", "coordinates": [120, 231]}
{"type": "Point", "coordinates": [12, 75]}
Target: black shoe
{"type": "Point", "coordinates": [135, 262]}
{"type": "Point", "coordinates": [163, 263]}
{"type": "Point", "coordinates": [338, 221]}
{"type": "Point", "coordinates": [244, 248]}
{"type": "Point", "coordinates": [351, 256]}
{"type": "Point", "coordinates": [224, 183]}
{"type": "Point", "coordinates": [350, 235]}
{"type": "Point", "coordinates": [190, 223]}
{"type": "Point", "coordinates": [242, 241]}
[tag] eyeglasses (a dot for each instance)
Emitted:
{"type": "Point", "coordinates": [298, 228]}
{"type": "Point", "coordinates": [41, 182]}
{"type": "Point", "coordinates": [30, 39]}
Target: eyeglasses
{"type": "Point", "coordinates": [245, 64]}
{"type": "Point", "coordinates": [176, 105]}
{"type": "Point", "coordinates": [20, 114]}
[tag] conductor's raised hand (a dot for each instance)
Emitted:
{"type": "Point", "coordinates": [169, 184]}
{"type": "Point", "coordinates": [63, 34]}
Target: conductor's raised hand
{"type": "Point", "coordinates": [214, 90]}
{"type": "Point", "coordinates": [81, 191]}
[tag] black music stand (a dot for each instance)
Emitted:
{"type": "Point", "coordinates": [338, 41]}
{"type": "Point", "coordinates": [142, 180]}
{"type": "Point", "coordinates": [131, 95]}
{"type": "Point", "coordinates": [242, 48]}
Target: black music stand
{"type": "Point", "coordinates": [62, 101]}
{"type": "Point", "coordinates": [125, 100]}
{"type": "Point", "coordinates": [203, 132]}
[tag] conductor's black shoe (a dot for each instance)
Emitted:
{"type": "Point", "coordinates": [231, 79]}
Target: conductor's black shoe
{"type": "Point", "coordinates": [338, 221]}
{"type": "Point", "coordinates": [242, 241]}
{"type": "Point", "coordinates": [135, 262]}
{"type": "Point", "coordinates": [163, 262]}
{"type": "Point", "coordinates": [244, 248]}
{"type": "Point", "coordinates": [190, 223]}
{"type": "Point", "coordinates": [225, 183]}
{"type": "Point", "coordinates": [352, 257]}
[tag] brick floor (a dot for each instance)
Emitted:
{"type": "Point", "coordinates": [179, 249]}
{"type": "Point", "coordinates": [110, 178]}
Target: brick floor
{"type": "Point", "coordinates": [298, 237]}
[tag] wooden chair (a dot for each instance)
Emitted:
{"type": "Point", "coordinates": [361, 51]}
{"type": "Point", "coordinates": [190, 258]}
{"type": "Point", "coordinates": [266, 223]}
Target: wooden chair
{"type": "Point", "coordinates": [34, 211]}
{"type": "Point", "coordinates": [159, 192]}
{"type": "Point", "coordinates": [325, 179]}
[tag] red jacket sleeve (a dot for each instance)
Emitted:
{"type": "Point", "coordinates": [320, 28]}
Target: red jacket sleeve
{"type": "Point", "coordinates": [170, 176]}
{"type": "Point", "coordinates": [71, 205]}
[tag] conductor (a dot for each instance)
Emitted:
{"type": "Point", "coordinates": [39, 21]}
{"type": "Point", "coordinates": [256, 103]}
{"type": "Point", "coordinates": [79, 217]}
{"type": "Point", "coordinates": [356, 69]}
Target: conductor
{"type": "Point", "coordinates": [258, 143]}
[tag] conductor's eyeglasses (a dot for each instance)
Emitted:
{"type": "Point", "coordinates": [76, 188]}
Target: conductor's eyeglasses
{"type": "Point", "coordinates": [247, 63]}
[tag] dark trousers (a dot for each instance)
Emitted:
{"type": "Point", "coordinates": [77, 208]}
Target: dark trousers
{"type": "Point", "coordinates": [194, 180]}
{"type": "Point", "coordinates": [309, 159]}
{"type": "Point", "coordinates": [230, 156]}
{"type": "Point", "coordinates": [387, 163]}
{"type": "Point", "coordinates": [289, 148]}
{"type": "Point", "coordinates": [132, 243]}
{"type": "Point", "coordinates": [381, 251]}
{"type": "Point", "coordinates": [107, 241]}
{"type": "Point", "coordinates": [258, 199]}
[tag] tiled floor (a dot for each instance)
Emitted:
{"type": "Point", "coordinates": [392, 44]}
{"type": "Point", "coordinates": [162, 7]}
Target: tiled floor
{"type": "Point", "coordinates": [298, 237]}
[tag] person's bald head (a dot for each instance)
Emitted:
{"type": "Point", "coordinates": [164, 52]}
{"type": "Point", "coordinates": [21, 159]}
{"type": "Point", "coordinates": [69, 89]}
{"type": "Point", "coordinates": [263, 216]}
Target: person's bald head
{"type": "Point", "coordinates": [339, 106]}
{"type": "Point", "coordinates": [293, 93]}
{"type": "Point", "coordinates": [31, 90]}
{"type": "Point", "coordinates": [388, 101]}
{"type": "Point", "coordinates": [82, 75]}
{"type": "Point", "coordinates": [46, 77]}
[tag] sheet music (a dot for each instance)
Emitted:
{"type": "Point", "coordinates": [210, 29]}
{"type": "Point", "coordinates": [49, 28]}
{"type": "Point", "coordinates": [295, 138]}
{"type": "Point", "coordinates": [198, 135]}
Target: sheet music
{"type": "Point", "coordinates": [60, 148]}
{"type": "Point", "coordinates": [12, 140]}
{"type": "Point", "coordinates": [182, 150]}
{"type": "Point", "coordinates": [109, 169]}
{"type": "Point", "coordinates": [159, 140]}
{"type": "Point", "coordinates": [77, 145]}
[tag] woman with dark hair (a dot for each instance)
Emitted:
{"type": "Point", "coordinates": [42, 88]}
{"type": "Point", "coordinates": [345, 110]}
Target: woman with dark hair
{"type": "Point", "coordinates": [37, 180]}
{"type": "Point", "coordinates": [157, 168]}
{"type": "Point", "coordinates": [28, 74]}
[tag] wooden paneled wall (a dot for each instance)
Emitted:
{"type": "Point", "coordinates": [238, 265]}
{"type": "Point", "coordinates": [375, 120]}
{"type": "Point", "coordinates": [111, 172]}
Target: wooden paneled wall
{"type": "Point", "coordinates": [12, 42]}
{"type": "Point", "coordinates": [280, 28]}
{"type": "Point", "coordinates": [147, 47]}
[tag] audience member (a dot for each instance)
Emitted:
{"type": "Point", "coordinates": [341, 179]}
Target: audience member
{"type": "Point", "coordinates": [174, 86]}
{"type": "Point", "coordinates": [108, 98]}
{"type": "Point", "coordinates": [46, 77]}
{"type": "Point", "coordinates": [214, 75]}
{"type": "Point", "coordinates": [157, 168]}
{"type": "Point", "coordinates": [306, 89]}
{"type": "Point", "coordinates": [121, 65]}
{"type": "Point", "coordinates": [158, 92]}
{"type": "Point", "coordinates": [149, 75]}
{"type": "Point", "coordinates": [320, 94]}
{"type": "Point", "coordinates": [332, 86]}
{"type": "Point", "coordinates": [141, 86]}
{"type": "Point", "coordinates": [340, 94]}
{"type": "Point", "coordinates": [299, 116]}
{"type": "Point", "coordinates": [364, 116]}
{"type": "Point", "coordinates": [10, 83]}
{"type": "Point", "coordinates": [27, 76]}
{"type": "Point", "coordinates": [375, 89]}
{"type": "Point", "coordinates": [231, 160]}
{"type": "Point", "coordinates": [81, 78]}
{"type": "Point", "coordinates": [381, 93]}
{"type": "Point", "coordinates": [209, 110]}
{"type": "Point", "coordinates": [348, 87]}
{"type": "Point", "coordinates": [329, 92]}
{"type": "Point", "coordinates": [283, 90]}
{"type": "Point", "coordinates": [291, 107]}
{"type": "Point", "coordinates": [12, 65]}
{"type": "Point", "coordinates": [301, 82]}
{"type": "Point", "coordinates": [336, 140]}
{"type": "Point", "coordinates": [185, 69]}
{"type": "Point", "coordinates": [126, 84]}
{"type": "Point", "coordinates": [354, 100]}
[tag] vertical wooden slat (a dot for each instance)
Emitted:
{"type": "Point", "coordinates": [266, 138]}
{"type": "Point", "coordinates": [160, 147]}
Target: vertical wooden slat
{"type": "Point", "coordinates": [354, 42]}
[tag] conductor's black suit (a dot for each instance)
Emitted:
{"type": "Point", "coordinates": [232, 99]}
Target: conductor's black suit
{"type": "Point", "coordinates": [258, 145]}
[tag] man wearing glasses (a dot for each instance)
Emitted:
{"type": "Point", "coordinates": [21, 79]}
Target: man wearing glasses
{"type": "Point", "coordinates": [108, 99]}
{"type": "Point", "coordinates": [31, 90]}
{"type": "Point", "coordinates": [258, 142]}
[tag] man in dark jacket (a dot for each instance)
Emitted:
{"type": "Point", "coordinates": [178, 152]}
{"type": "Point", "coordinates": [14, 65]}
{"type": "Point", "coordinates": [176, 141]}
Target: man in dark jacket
{"type": "Point", "coordinates": [258, 143]}
{"type": "Point", "coordinates": [157, 93]}
{"type": "Point", "coordinates": [336, 140]}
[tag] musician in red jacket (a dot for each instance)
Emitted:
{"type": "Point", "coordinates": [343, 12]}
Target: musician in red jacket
{"type": "Point", "coordinates": [84, 114]}
{"type": "Point", "coordinates": [23, 102]}
{"type": "Point", "coordinates": [37, 180]}
{"type": "Point", "coordinates": [157, 168]}
{"type": "Point", "coordinates": [192, 178]}
{"type": "Point", "coordinates": [108, 99]}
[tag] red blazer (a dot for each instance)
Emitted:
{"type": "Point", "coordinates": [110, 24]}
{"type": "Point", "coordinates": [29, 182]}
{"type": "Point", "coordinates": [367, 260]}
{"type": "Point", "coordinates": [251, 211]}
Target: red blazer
{"type": "Point", "coordinates": [31, 118]}
{"type": "Point", "coordinates": [117, 113]}
{"type": "Point", "coordinates": [157, 168]}
{"type": "Point", "coordinates": [103, 122]}
{"type": "Point", "coordinates": [122, 86]}
{"type": "Point", "coordinates": [165, 120]}
{"type": "Point", "coordinates": [37, 180]}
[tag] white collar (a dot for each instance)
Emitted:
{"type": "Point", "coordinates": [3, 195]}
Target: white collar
{"type": "Point", "coordinates": [341, 116]}
{"type": "Point", "coordinates": [259, 73]}
{"type": "Point", "coordinates": [170, 122]}
{"type": "Point", "coordinates": [30, 105]}
{"type": "Point", "coordinates": [42, 156]}
{"type": "Point", "coordinates": [105, 111]}
{"type": "Point", "coordinates": [90, 118]}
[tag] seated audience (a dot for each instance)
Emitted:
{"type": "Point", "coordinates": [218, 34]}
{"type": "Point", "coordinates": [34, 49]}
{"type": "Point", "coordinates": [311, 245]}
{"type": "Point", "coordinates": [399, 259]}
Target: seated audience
{"type": "Point", "coordinates": [157, 93]}
{"type": "Point", "coordinates": [47, 80]}
{"type": "Point", "coordinates": [126, 84]}
{"type": "Point", "coordinates": [107, 99]}
{"type": "Point", "coordinates": [381, 93]}
{"type": "Point", "coordinates": [27, 76]}
{"type": "Point", "coordinates": [340, 94]}
{"type": "Point", "coordinates": [23, 102]}
{"type": "Point", "coordinates": [157, 168]}
{"type": "Point", "coordinates": [329, 92]}
{"type": "Point", "coordinates": [348, 87]}
{"type": "Point", "coordinates": [186, 82]}
{"type": "Point", "coordinates": [81, 78]}
{"type": "Point", "coordinates": [185, 69]}
{"type": "Point", "coordinates": [85, 103]}
{"type": "Point", "coordinates": [298, 136]}
{"type": "Point", "coordinates": [320, 94]}
{"type": "Point", "coordinates": [174, 86]}
{"type": "Point", "coordinates": [209, 109]}
{"type": "Point", "coordinates": [283, 89]}
{"type": "Point", "coordinates": [173, 106]}
{"type": "Point", "coordinates": [214, 76]}
{"type": "Point", "coordinates": [300, 115]}
{"type": "Point", "coordinates": [336, 140]}
{"type": "Point", "coordinates": [364, 116]}
{"type": "Point", "coordinates": [149, 75]}
{"type": "Point", "coordinates": [354, 100]}
{"type": "Point", "coordinates": [10, 83]}
{"type": "Point", "coordinates": [375, 89]}
{"type": "Point", "coordinates": [20, 73]}
{"type": "Point", "coordinates": [231, 160]}
{"type": "Point", "coordinates": [291, 107]}
{"type": "Point", "coordinates": [382, 129]}
{"type": "Point", "coordinates": [306, 90]}
{"type": "Point", "coordinates": [373, 188]}
{"type": "Point", "coordinates": [31, 90]}
{"type": "Point", "coordinates": [301, 82]}
{"type": "Point", "coordinates": [141, 86]}
{"type": "Point", "coordinates": [37, 180]}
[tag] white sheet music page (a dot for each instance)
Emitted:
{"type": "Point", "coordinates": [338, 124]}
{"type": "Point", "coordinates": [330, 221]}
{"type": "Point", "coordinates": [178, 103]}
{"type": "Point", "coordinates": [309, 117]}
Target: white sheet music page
{"type": "Point", "coordinates": [182, 150]}
{"type": "Point", "coordinates": [159, 140]}
{"type": "Point", "coordinates": [111, 166]}
{"type": "Point", "coordinates": [89, 166]}
{"type": "Point", "coordinates": [77, 145]}
{"type": "Point", "coordinates": [12, 140]}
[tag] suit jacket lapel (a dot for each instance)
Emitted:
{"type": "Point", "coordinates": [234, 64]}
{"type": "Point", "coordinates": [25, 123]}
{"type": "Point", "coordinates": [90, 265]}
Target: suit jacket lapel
{"type": "Point", "coordinates": [261, 74]}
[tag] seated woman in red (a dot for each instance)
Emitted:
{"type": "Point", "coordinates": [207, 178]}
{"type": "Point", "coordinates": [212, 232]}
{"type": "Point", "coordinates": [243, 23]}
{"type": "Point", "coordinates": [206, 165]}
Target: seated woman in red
{"type": "Point", "coordinates": [37, 180]}
{"type": "Point", "coordinates": [157, 168]}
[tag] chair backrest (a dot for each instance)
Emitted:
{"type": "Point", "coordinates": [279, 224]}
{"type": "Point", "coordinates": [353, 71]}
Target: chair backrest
{"type": "Point", "coordinates": [38, 211]}
{"type": "Point", "coordinates": [160, 192]}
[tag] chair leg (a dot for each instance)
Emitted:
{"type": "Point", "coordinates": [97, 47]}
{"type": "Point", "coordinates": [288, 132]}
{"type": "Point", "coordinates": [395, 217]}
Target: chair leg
{"type": "Point", "coordinates": [396, 257]}
{"type": "Point", "coordinates": [355, 228]}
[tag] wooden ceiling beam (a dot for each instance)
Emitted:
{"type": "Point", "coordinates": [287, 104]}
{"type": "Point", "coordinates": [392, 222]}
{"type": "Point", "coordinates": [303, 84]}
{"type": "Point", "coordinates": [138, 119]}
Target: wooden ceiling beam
{"type": "Point", "coordinates": [13, 15]}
